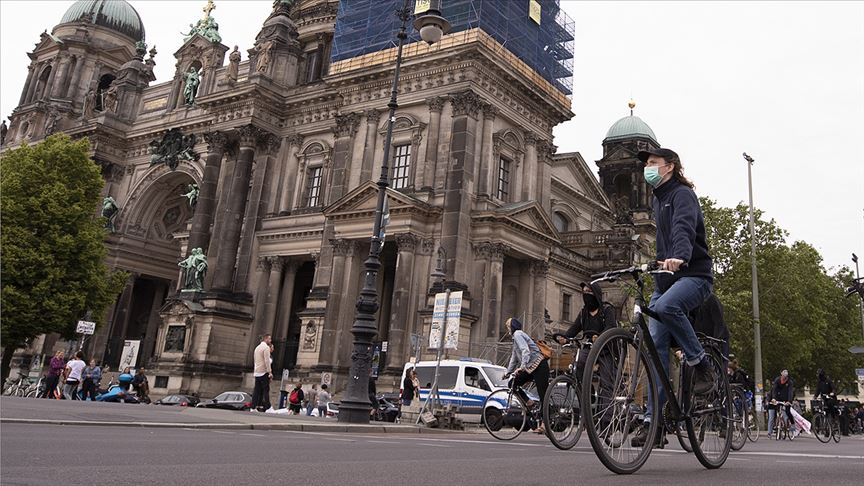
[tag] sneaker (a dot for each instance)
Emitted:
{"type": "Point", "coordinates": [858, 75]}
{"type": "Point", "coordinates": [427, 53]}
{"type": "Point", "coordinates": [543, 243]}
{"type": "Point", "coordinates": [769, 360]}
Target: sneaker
{"type": "Point", "coordinates": [639, 439]}
{"type": "Point", "coordinates": [704, 378]}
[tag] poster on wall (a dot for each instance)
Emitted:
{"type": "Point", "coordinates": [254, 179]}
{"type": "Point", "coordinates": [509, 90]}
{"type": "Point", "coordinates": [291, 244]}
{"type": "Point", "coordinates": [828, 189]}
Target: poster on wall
{"type": "Point", "coordinates": [129, 356]}
{"type": "Point", "coordinates": [454, 315]}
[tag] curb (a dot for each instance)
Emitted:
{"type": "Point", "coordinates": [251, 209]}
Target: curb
{"type": "Point", "coordinates": [348, 429]}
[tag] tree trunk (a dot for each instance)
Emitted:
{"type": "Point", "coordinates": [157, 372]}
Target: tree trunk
{"type": "Point", "coordinates": [8, 351]}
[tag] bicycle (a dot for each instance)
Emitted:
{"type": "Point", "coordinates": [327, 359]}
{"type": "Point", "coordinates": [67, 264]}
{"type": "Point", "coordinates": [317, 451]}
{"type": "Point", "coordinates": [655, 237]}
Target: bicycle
{"type": "Point", "coordinates": [782, 427]}
{"type": "Point", "coordinates": [506, 415]}
{"type": "Point", "coordinates": [561, 408]}
{"type": "Point", "coordinates": [18, 387]}
{"type": "Point", "coordinates": [740, 417]}
{"type": "Point", "coordinates": [625, 365]}
{"type": "Point", "coordinates": [826, 426]}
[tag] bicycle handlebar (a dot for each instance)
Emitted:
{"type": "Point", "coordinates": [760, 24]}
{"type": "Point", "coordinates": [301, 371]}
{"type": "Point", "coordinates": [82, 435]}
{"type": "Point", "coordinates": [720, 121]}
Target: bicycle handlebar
{"type": "Point", "coordinates": [652, 268]}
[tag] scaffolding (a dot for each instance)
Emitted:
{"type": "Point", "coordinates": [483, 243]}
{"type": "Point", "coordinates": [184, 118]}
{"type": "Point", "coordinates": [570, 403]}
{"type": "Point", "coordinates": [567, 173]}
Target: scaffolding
{"type": "Point", "coordinates": [368, 26]}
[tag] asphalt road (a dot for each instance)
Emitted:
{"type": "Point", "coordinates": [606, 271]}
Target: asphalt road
{"type": "Point", "coordinates": [72, 455]}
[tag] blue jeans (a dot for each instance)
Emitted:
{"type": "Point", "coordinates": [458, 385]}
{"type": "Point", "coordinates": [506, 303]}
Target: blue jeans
{"type": "Point", "coordinates": [672, 306]}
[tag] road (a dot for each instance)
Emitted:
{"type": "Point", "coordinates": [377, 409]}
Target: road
{"type": "Point", "coordinates": [72, 455]}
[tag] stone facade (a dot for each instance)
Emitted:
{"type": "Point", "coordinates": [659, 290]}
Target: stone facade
{"type": "Point", "coordinates": [285, 152]}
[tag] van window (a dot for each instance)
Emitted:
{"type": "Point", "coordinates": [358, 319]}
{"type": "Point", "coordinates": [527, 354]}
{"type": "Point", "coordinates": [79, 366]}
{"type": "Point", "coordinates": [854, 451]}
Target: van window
{"type": "Point", "coordinates": [446, 377]}
{"type": "Point", "coordinates": [475, 379]}
{"type": "Point", "coordinates": [496, 375]}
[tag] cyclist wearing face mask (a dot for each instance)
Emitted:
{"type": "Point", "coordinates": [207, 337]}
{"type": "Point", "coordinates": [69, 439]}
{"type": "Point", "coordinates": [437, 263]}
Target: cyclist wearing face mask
{"type": "Point", "coordinates": [596, 316]}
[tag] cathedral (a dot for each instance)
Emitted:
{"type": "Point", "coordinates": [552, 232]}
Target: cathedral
{"type": "Point", "coordinates": [261, 164]}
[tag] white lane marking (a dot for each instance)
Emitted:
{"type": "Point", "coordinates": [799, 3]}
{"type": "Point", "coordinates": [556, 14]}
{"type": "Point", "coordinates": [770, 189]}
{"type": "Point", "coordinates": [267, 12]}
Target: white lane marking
{"type": "Point", "coordinates": [433, 445]}
{"type": "Point", "coordinates": [486, 442]}
{"type": "Point", "coordinates": [255, 435]}
{"type": "Point", "coordinates": [738, 459]}
{"type": "Point", "coordinates": [383, 442]}
{"type": "Point", "coordinates": [223, 432]}
{"type": "Point", "coordinates": [798, 454]}
{"type": "Point", "coordinates": [340, 440]}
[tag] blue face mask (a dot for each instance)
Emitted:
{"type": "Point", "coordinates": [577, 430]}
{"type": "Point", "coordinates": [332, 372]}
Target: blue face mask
{"type": "Point", "coordinates": [652, 176]}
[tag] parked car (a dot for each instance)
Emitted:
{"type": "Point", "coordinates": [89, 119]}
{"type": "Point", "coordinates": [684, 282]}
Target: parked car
{"type": "Point", "coordinates": [179, 400]}
{"type": "Point", "coordinates": [231, 400]}
{"type": "Point", "coordinates": [332, 410]}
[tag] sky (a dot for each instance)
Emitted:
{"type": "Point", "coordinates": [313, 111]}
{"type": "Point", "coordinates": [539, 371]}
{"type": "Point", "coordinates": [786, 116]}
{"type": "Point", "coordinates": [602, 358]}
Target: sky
{"type": "Point", "coordinates": [782, 81]}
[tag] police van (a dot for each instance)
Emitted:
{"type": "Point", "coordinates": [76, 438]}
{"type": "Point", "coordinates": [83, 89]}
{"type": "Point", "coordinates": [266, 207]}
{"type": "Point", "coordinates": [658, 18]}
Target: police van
{"type": "Point", "coordinates": [465, 382]}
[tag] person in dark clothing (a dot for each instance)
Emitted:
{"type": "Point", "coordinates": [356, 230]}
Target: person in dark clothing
{"type": "Point", "coordinates": [373, 398]}
{"type": "Point", "coordinates": [141, 386]}
{"type": "Point", "coordinates": [682, 248]}
{"type": "Point", "coordinates": [595, 317]}
{"type": "Point", "coordinates": [739, 376]}
{"type": "Point", "coordinates": [295, 399]}
{"type": "Point", "coordinates": [410, 387]}
{"type": "Point", "coordinates": [825, 390]}
{"type": "Point", "coordinates": [782, 391]}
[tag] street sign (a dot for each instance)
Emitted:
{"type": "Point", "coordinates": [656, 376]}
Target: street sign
{"type": "Point", "coordinates": [384, 346]}
{"type": "Point", "coordinates": [454, 313]}
{"type": "Point", "coordinates": [438, 315]}
{"type": "Point", "coordinates": [85, 327]}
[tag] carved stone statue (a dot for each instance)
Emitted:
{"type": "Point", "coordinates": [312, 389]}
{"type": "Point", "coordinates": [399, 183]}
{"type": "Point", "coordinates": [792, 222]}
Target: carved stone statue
{"type": "Point", "coordinates": [190, 90]}
{"type": "Point", "coordinates": [110, 101]}
{"type": "Point", "coordinates": [195, 268]}
{"type": "Point", "coordinates": [174, 148]}
{"type": "Point", "coordinates": [51, 123]}
{"type": "Point", "coordinates": [233, 65]}
{"type": "Point", "coordinates": [263, 55]}
{"type": "Point", "coordinates": [109, 211]}
{"type": "Point", "coordinates": [192, 194]}
{"type": "Point", "coordinates": [89, 104]}
{"type": "Point", "coordinates": [3, 130]}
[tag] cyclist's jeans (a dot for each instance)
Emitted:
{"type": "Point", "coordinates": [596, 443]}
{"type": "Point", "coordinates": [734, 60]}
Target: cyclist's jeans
{"type": "Point", "coordinates": [772, 416]}
{"type": "Point", "coordinates": [680, 299]}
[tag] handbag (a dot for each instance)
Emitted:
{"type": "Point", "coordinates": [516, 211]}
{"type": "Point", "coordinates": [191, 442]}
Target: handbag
{"type": "Point", "coordinates": [545, 349]}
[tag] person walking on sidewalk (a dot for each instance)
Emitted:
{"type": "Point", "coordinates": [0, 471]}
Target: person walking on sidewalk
{"type": "Point", "coordinates": [73, 371]}
{"type": "Point", "coordinates": [323, 401]}
{"type": "Point", "coordinates": [295, 399]}
{"type": "Point", "coordinates": [263, 374]}
{"type": "Point", "coordinates": [311, 400]}
{"type": "Point", "coordinates": [92, 376]}
{"type": "Point", "coordinates": [55, 369]}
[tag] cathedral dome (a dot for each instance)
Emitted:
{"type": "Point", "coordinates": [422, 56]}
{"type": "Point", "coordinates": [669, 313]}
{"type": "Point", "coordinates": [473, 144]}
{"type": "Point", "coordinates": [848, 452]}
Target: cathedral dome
{"type": "Point", "coordinates": [116, 15]}
{"type": "Point", "coordinates": [629, 127]}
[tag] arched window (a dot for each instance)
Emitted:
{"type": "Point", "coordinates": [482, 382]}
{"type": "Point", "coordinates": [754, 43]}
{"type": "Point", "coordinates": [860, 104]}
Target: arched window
{"type": "Point", "coordinates": [104, 83]}
{"type": "Point", "coordinates": [42, 89]}
{"type": "Point", "coordinates": [562, 224]}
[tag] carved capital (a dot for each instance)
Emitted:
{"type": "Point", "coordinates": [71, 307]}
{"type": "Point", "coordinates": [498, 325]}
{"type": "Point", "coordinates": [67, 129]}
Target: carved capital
{"type": "Point", "coordinates": [540, 269]}
{"type": "Point", "coordinates": [466, 103]}
{"type": "Point", "coordinates": [436, 103]}
{"type": "Point", "coordinates": [407, 242]}
{"type": "Point", "coordinates": [263, 264]}
{"type": "Point", "coordinates": [216, 141]}
{"type": "Point", "coordinates": [545, 148]}
{"type": "Point", "coordinates": [490, 111]}
{"type": "Point", "coordinates": [341, 247]}
{"type": "Point", "coordinates": [427, 246]}
{"type": "Point", "coordinates": [530, 138]}
{"type": "Point", "coordinates": [269, 143]}
{"type": "Point", "coordinates": [295, 140]}
{"type": "Point", "coordinates": [497, 251]}
{"type": "Point", "coordinates": [346, 125]}
{"type": "Point", "coordinates": [372, 116]}
{"type": "Point", "coordinates": [277, 263]}
{"type": "Point", "coordinates": [249, 135]}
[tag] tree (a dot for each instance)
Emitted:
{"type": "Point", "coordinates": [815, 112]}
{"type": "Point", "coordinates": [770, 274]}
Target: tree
{"type": "Point", "coordinates": [806, 323]}
{"type": "Point", "coordinates": [52, 242]}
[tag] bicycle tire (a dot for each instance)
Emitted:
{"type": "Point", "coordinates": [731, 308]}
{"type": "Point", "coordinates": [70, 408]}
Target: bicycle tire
{"type": "Point", "coordinates": [614, 356]}
{"type": "Point", "coordinates": [683, 439]}
{"type": "Point", "coordinates": [710, 417]}
{"type": "Point", "coordinates": [752, 425]}
{"type": "Point", "coordinates": [835, 431]}
{"type": "Point", "coordinates": [821, 428]}
{"type": "Point", "coordinates": [501, 423]}
{"type": "Point", "coordinates": [561, 412]}
{"type": "Point", "coordinates": [739, 415]}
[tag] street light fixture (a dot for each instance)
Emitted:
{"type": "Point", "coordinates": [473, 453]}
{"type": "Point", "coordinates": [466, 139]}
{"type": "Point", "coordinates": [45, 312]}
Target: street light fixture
{"type": "Point", "coordinates": [355, 404]}
{"type": "Point", "coordinates": [757, 332]}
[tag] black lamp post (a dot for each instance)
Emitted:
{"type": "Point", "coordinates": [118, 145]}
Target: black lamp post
{"type": "Point", "coordinates": [355, 405]}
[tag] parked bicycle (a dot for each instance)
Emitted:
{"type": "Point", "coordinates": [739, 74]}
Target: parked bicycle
{"type": "Point", "coordinates": [17, 387]}
{"type": "Point", "coordinates": [561, 406]}
{"type": "Point", "coordinates": [625, 365]}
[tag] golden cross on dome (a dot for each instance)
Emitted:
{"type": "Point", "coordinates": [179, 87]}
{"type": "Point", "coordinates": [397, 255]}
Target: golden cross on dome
{"type": "Point", "coordinates": [631, 104]}
{"type": "Point", "coordinates": [208, 8]}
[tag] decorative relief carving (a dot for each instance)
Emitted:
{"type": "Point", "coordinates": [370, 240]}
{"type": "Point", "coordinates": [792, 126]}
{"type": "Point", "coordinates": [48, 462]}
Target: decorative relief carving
{"type": "Point", "coordinates": [540, 268]}
{"type": "Point", "coordinates": [341, 247]}
{"type": "Point", "coordinates": [427, 246]}
{"type": "Point", "coordinates": [466, 103]}
{"type": "Point", "coordinates": [263, 264]}
{"type": "Point", "coordinates": [346, 125]}
{"type": "Point", "coordinates": [295, 140]}
{"type": "Point", "coordinates": [276, 263]}
{"type": "Point", "coordinates": [530, 138]}
{"type": "Point", "coordinates": [372, 116]}
{"type": "Point", "coordinates": [406, 242]}
{"type": "Point", "coordinates": [490, 111]}
{"type": "Point", "coordinates": [436, 103]}
{"type": "Point", "coordinates": [216, 141]}
{"type": "Point", "coordinates": [173, 148]}
{"type": "Point", "coordinates": [250, 135]}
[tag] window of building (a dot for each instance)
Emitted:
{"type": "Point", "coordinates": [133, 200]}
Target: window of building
{"type": "Point", "coordinates": [313, 186]}
{"type": "Point", "coordinates": [313, 65]}
{"type": "Point", "coordinates": [503, 190]}
{"type": "Point", "coordinates": [562, 224]}
{"type": "Point", "coordinates": [566, 300]}
{"type": "Point", "coordinates": [401, 164]}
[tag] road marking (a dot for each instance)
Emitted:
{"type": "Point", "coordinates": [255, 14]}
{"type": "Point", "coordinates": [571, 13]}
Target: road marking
{"type": "Point", "coordinates": [383, 442]}
{"type": "Point", "coordinates": [433, 445]}
{"type": "Point", "coordinates": [738, 459]}
{"type": "Point", "coordinates": [255, 435]}
{"type": "Point", "coordinates": [223, 432]}
{"type": "Point", "coordinates": [341, 440]}
{"type": "Point", "coordinates": [799, 454]}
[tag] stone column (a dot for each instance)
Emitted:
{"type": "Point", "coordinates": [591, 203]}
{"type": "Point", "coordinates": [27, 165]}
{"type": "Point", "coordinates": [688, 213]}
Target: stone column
{"type": "Point", "coordinates": [274, 288]}
{"type": "Point", "coordinates": [529, 168]}
{"type": "Point", "coordinates": [488, 168]}
{"type": "Point", "coordinates": [541, 272]}
{"type": "Point", "coordinates": [199, 237]}
{"type": "Point", "coordinates": [456, 219]}
{"type": "Point", "coordinates": [262, 273]}
{"type": "Point", "coordinates": [432, 174]}
{"type": "Point", "coordinates": [335, 295]}
{"type": "Point", "coordinates": [74, 90]}
{"type": "Point", "coordinates": [517, 174]}
{"type": "Point", "coordinates": [398, 342]}
{"type": "Point", "coordinates": [545, 151]}
{"type": "Point", "coordinates": [493, 289]}
{"type": "Point", "coordinates": [350, 291]}
{"type": "Point", "coordinates": [346, 127]}
{"type": "Point", "coordinates": [286, 299]}
{"type": "Point", "coordinates": [62, 67]}
{"type": "Point", "coordinates": [526, 293]}
{"type": "Point", "coordinates": [292, 174]}
{"type": "Point", "coordinates": [26, 89]}
{"type": "Point", "coordinates": [298, 184]}
{"type": "Point", "coordinates": [239, 189]}
{"type": "Point", "coordinates": [372, 118]}
{"type": "Point", "coordinates": [148, 345]}
{"type": "Point", "coordinates": [31, 90]}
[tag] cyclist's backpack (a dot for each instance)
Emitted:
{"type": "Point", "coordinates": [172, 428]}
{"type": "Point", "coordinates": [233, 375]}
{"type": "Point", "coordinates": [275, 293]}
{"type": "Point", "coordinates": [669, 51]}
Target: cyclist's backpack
{"type": "Point", "coordinates": [545, 349]}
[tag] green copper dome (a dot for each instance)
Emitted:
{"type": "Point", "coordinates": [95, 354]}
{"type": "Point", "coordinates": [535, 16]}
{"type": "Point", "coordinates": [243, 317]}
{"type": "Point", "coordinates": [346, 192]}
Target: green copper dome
{"type": "Point", "coordinates": [629, 127]}
{"type": "Point", "coordinates": [116, 15]}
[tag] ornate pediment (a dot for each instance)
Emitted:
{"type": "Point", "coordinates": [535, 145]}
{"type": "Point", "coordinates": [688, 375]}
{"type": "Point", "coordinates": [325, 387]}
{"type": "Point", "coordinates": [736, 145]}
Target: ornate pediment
{"type": "Point", "coordinates": [578, 177]}
{"type": "Point", "coordinates": [364, 199]}
{"type": "Point", "coordinates": [527, 216]}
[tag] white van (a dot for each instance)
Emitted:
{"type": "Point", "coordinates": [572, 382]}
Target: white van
{"type": "Point", "coordinates": [465, 382]}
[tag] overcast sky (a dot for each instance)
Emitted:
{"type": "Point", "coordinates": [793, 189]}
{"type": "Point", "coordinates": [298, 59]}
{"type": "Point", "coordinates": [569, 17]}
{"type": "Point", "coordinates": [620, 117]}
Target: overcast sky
{"type": "Point", "coordinates": [783, 81]}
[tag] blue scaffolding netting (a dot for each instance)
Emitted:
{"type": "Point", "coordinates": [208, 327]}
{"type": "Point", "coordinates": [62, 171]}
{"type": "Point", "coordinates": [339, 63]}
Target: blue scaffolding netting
{"type": "Point", "coordinates": [366, 26]}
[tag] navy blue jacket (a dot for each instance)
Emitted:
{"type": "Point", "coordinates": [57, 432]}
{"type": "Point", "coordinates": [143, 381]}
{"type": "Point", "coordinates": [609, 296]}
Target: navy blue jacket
{"type": "Point", "coordinates": [680, 233]}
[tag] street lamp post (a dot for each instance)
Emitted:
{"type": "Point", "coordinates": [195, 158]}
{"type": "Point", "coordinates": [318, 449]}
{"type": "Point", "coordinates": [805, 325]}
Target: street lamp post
{"type": "Point", "coordinates": [757, 332]}
{"type": "Point", "coordinates": [860, 300]}
{"type": "Point", "coordinates": [355, 404]}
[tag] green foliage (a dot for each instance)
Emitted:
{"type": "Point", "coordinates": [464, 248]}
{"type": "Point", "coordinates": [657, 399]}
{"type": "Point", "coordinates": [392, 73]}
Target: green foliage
{"type": "Point", "coordinates": [806, 323]}
{"type": "Point", "coordinates": [52, 241]}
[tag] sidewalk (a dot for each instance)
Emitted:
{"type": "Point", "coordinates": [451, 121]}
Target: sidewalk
{"type": "Point", "coordinates": [63, 412]}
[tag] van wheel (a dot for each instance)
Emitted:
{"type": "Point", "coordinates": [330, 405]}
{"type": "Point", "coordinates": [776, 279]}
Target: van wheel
{"type": "Point", "coordinates": [493, 418]}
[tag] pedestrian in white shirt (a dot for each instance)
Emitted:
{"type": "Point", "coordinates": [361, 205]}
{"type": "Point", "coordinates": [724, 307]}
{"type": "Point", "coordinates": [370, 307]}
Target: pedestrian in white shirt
{"type": "Point", "coordinates": [263, 374]}
{"type": "Point", "coordinates": [73, 371]}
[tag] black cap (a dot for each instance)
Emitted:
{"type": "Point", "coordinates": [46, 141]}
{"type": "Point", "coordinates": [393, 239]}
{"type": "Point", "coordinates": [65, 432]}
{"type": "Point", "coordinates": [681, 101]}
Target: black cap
{"type": "Point", "coordinates": [659, 152]}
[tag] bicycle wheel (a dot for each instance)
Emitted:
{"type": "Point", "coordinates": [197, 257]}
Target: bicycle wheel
{"type": "Point", "coordinates": [504, 414]}
{"type": "Point", "coordinates": [821, 428]}
{"type": "Point", "coordinates": [835, 430]}
{"type": "Point", "coordinates": [709, 421]}
{"type": "Point", "coordinates": [683, 438]}
{"type": "Point", "coordinates": [752, 425]}
{"type": "Point", "coordinates": [561, 413]}
{"type": "Point", "coordinates": [618, 373]}
{"type": "Point", "coordinates": [739, 418]}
